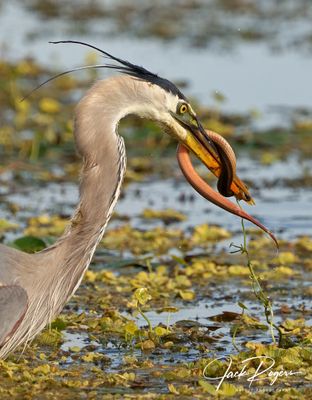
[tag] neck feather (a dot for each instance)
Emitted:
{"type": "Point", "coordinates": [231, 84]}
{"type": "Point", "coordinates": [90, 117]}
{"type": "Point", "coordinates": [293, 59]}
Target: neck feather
{"type": "Point", "coordinates": [104, 163]}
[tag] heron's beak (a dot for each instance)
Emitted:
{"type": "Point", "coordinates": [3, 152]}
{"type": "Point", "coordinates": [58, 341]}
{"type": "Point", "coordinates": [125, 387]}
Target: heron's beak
{"type": "Point", "coordinates": [197, 140]}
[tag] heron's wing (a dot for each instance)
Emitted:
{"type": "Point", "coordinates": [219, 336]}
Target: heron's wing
{"type": "Point", "coordinates": [13, 305]}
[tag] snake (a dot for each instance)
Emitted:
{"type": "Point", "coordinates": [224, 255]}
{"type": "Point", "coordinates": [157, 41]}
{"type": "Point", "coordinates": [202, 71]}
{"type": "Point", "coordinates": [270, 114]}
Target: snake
{"type": "Point", "coordinates": [202, 187]}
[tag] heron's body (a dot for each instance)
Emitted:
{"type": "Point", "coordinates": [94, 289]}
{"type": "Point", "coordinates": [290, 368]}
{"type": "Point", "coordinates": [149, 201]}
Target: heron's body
{"type": "Point", "coordinates": [50, 277]}
{"type": "Point", "coordinates": [35, 287]}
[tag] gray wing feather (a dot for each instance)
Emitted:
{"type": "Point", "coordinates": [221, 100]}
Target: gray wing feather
{"type": "Point", "coordinates": [13, 305]}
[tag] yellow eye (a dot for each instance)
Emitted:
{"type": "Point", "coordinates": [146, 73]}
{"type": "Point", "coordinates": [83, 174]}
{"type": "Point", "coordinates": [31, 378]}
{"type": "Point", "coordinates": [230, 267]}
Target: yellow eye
{"type": "Point", "coordinates": [183, 108]}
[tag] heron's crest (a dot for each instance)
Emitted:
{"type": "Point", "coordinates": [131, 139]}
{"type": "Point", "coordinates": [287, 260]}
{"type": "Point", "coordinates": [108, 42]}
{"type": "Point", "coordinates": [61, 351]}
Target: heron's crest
{"type": "Point", "coordinates": [124, 67]}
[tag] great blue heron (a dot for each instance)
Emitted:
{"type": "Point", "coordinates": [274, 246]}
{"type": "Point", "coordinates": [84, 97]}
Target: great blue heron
{"type": "Point", "coordinates": [35, 287]}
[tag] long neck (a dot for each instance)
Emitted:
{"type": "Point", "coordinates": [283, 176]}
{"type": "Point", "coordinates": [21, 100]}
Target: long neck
{"type": "Point", "coordinates": [103, 154]}
{"type": "Point", "coordinates": [104, 162]}
{"type": "Point", "coordinates": [100, 187]}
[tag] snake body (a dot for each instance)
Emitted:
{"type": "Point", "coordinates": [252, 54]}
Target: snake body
{"type": "Point", "coordinates": [206, 191]}
{"type": "Point", "coordinates": [228, 160]}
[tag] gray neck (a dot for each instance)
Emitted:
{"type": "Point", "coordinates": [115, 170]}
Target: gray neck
{"type": "Point", "coordinates": [104, 163]}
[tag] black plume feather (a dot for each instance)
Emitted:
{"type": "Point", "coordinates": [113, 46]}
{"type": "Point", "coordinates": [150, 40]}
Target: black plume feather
{"type": "Point", "coordinates": [128, 68]}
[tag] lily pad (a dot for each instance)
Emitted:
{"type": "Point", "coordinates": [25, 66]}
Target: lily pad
{"type": "Point", "coordinates": [29, 244]}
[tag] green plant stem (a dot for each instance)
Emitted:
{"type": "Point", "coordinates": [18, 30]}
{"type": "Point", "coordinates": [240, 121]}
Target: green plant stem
{"type": "Point", "coordinates": [146, 319]}
{"type": "Point", "coordinates": [35, 147]}
{"type": "Point", "coordinates": [149, 265]}
{"type": "Point", "coordinates": [234, 338]}
{"type": "Point", "coordinates": [259, 291]}
{"type": "Point", "coordinates": [168, 322]}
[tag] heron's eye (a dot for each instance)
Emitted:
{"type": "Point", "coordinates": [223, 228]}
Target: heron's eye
{"type": "Point", "coordinates": [182, 108]}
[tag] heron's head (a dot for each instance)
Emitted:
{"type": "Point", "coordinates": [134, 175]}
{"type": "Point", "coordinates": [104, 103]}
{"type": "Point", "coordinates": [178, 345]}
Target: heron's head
{"type": "Point", "coordinates": [164, 103]}
{"type": "Point", "coordinates": [151, 96]}
{"type": "Point", "coordinates": [158, 99]}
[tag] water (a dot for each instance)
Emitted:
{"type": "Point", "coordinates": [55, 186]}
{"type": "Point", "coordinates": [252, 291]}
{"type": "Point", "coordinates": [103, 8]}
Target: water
{"type": "Point", "coordinates": [284, 210]}
{"type": "Point", "coordinates": [201, 315]}
{"type": "Point", "coordinates": [253, 77]}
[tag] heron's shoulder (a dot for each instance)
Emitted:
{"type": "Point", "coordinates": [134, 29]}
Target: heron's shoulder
{"type": "Point", "coordinates": [16, 266]}
{"type": "Point", "coordinates": [10, 256]}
